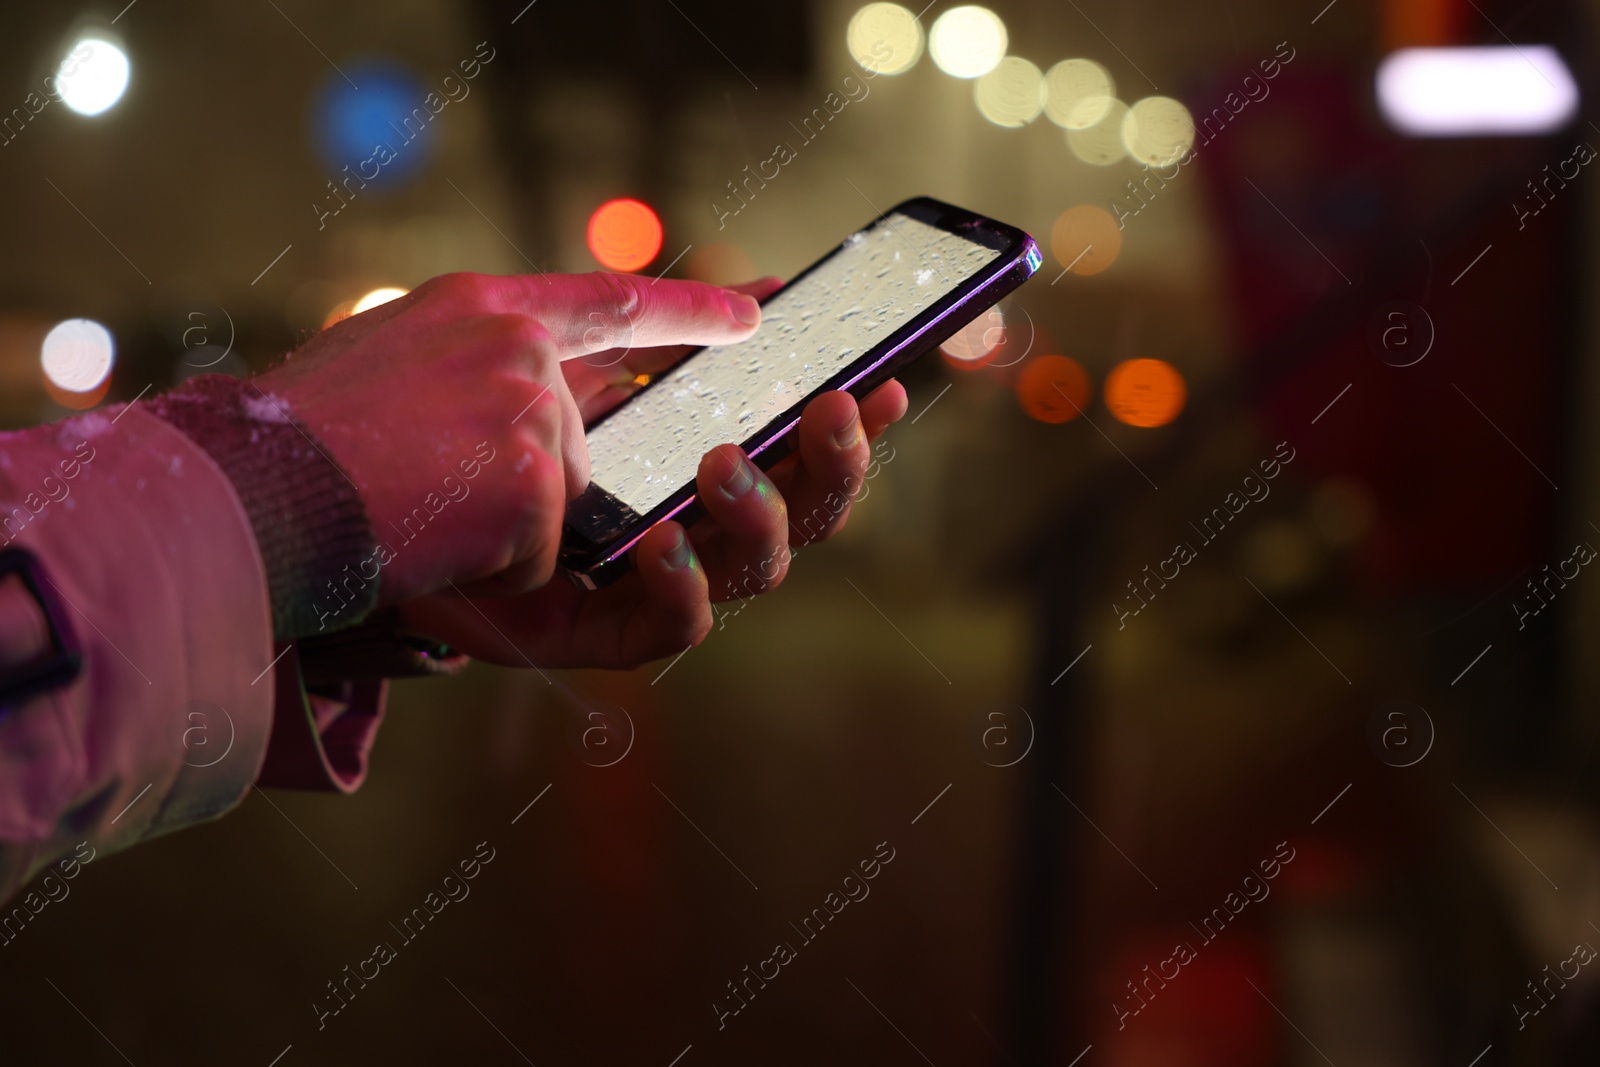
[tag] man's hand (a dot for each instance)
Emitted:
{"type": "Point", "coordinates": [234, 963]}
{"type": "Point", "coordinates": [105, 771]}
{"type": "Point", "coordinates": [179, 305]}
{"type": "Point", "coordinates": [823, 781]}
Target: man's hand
{"type": "Point", "coordinates": [740, 548]}
{"type": "Point", "coordinates": [421, 389]}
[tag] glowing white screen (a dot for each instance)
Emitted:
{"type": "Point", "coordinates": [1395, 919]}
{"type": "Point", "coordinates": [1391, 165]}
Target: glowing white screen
{"type": "Point", "coordinates": [879, 280]}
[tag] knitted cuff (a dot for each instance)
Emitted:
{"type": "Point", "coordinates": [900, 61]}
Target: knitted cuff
{"type": "Point", "coordinates": [309, 522]}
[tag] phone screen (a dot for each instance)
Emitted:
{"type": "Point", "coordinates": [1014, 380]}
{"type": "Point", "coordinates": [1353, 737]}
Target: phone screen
{"type": "Point", "coordinates": [877, 281]}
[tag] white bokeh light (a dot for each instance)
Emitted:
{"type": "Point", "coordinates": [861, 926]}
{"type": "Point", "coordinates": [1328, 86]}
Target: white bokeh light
{"type": "Point", "coordinates": [1158, 131]}
{"type": "Point", "coordinates": [884, 38]}
{"type": "Point", "coordinates": [89, 84]}
{"type": "Point", "coordinates": [1462, 92]}
{"type": "Point", "coordinates": [1101, 144]}
{"type": "Point", "coordinates": [77, 355]}
{"type": "Point", "coordinates": [376, 297]}
{"type": "Point", "coordinates": [967, 42]}
{"type": "Point", "coordinates": [1078, 93]}
{"type": "Point", "coordinates": [1012, 94]}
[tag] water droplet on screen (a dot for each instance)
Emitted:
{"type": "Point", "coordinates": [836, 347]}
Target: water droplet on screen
{"type": "Point", "coordinates": [879, 280]}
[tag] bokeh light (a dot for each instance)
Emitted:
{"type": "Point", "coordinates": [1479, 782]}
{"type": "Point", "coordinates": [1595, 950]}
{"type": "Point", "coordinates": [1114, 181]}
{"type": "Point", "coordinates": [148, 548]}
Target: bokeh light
{"type": "Point", "coordinates": [968, 41]}
{"type": "Point", "coordinates": [351, 125]}
{"type": "Point", "coordinates": [1145, 392]}
{"type": "Point", "coordinates": [341, 311]}
{"type": "Point", "coordinates": [1457, 92]}
{"type": "Point", "coordinates": [91, 84]}
{"type": "Point", "coordinates": [1282, 555]}
{"type": "Point", "coordinates": [1343, 511]}
{"type": "Point", "coordinates": [884, 38]}
{"type": "Point", "coordinates": [977, 342]}
{"type": "Point", "coordinates": [77, 355]}
{"type": "Point", "coordinates": [1086, 239]}
{"type": "Point", "coordinates": [624, 234]}
{"type": "Point", "coordinates": [1053, 389]}
{"type": "Point", "coordinates": [1101, 144]}
{"type": "Point", "coordinates": [1158, 131]}
{"type": "Point", "coordinates": [1078, 93]}
{"type": "Point", "coordinates": [1012, 94]}
{"type": "Point", "coordinates": [720, 264]}
{"type": "Point", "coordinates": [376, 297]}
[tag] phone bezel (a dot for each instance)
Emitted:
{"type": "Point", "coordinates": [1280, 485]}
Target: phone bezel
{"type": "Point", "coordinates": [593, 564]}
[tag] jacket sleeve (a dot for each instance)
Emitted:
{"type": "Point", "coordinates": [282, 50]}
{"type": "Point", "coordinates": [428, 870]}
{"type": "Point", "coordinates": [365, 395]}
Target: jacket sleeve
{"type": "Point", "coordinates": [322, 570]}
{"type": "Point", "coordinates": [146, 544]}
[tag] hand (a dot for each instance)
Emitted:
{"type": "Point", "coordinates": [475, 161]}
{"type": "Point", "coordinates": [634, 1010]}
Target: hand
{"type": "Point", "coordinates": [740, 548]}
{"type": "Point", "coordinates": [464, 374]}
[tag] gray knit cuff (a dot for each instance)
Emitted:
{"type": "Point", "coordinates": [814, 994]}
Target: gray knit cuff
{"type": "Point", "coordinates": [310, 526]}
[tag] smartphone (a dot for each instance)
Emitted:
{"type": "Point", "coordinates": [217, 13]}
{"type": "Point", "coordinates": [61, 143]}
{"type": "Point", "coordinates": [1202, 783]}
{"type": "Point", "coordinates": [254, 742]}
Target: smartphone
{"type": "Point", "coordinates": [887, 294]}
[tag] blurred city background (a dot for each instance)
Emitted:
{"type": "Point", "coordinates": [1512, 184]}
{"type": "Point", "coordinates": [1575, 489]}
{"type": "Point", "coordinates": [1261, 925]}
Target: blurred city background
{"type": "Point", "coordinates": [1241, 711]}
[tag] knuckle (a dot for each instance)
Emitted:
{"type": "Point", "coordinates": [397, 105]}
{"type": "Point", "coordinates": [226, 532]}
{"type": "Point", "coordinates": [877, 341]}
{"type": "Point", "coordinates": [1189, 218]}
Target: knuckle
{"type": "Point", "coordinates": [521, 335]}
{"type": "Point", "coordinates": [620, 290]}
{"type": "Point", "coordinates": [518, 330]}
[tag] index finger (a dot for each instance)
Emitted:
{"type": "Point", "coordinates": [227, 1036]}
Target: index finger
{"type": "Point", "coordinates": [588, 313]}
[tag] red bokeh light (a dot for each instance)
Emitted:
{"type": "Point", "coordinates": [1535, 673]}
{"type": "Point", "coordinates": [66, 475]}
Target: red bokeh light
{"type": "Point", "coordinates": [624, 234]}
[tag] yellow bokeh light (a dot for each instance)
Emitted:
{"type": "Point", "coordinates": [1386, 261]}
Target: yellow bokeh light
{"type": "Point", "coordinates": [884, 38]}
{"type": "Point", "coordinates": [968, 41]}
{"type": "Point", "coordinates": [1101, 144]}
{"type": "Point", "coordinates": [1012, 94]}
{"type": "Point", "coordinates": [1086, 239]}
{"type": "Point", "coordinates": [1079, 92]}
{"type": "Point", "coordinates": [1158, 131]}
{"type": "Point", "coordinates": [376, 297]}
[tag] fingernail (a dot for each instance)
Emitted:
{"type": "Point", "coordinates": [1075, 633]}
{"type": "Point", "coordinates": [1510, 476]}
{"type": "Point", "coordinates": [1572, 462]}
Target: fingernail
{"type": "Point", "coordinates": [738, 483]}
{"type": "Point", "coordinates": [847, 435]}
{"type": "Point", "coordinates": [744, 309]}
{"type": "Point", "coordinates": [679, 555]}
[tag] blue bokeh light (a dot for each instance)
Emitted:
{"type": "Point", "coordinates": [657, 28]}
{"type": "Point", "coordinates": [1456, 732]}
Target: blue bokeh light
{"type": "Point", "coordinates": [351, 121]}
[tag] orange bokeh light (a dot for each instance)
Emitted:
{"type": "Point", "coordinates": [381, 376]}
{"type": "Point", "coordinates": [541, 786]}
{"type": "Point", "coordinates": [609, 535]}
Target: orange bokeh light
{"type": "Point", "coordinates": [1086, 239]}
{"type": "Point", "coordinates": [1145, 392]}
{"type": "Point", "coordinates": [1053, 389]}
{"type": "Point", "coordinates": [624, 234]}
{"type": "Point", "coordinates": [341, 311]}
{"type": "Point", "coordinates": [78, 401]}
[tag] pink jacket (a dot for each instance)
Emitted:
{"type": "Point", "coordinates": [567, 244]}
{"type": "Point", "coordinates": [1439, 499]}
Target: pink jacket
{"type": "Point", "coordinates": [182, 701]}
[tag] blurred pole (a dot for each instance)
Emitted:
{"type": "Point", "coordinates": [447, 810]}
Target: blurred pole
{"type": "Point", "coordinates": [1046, 951]}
